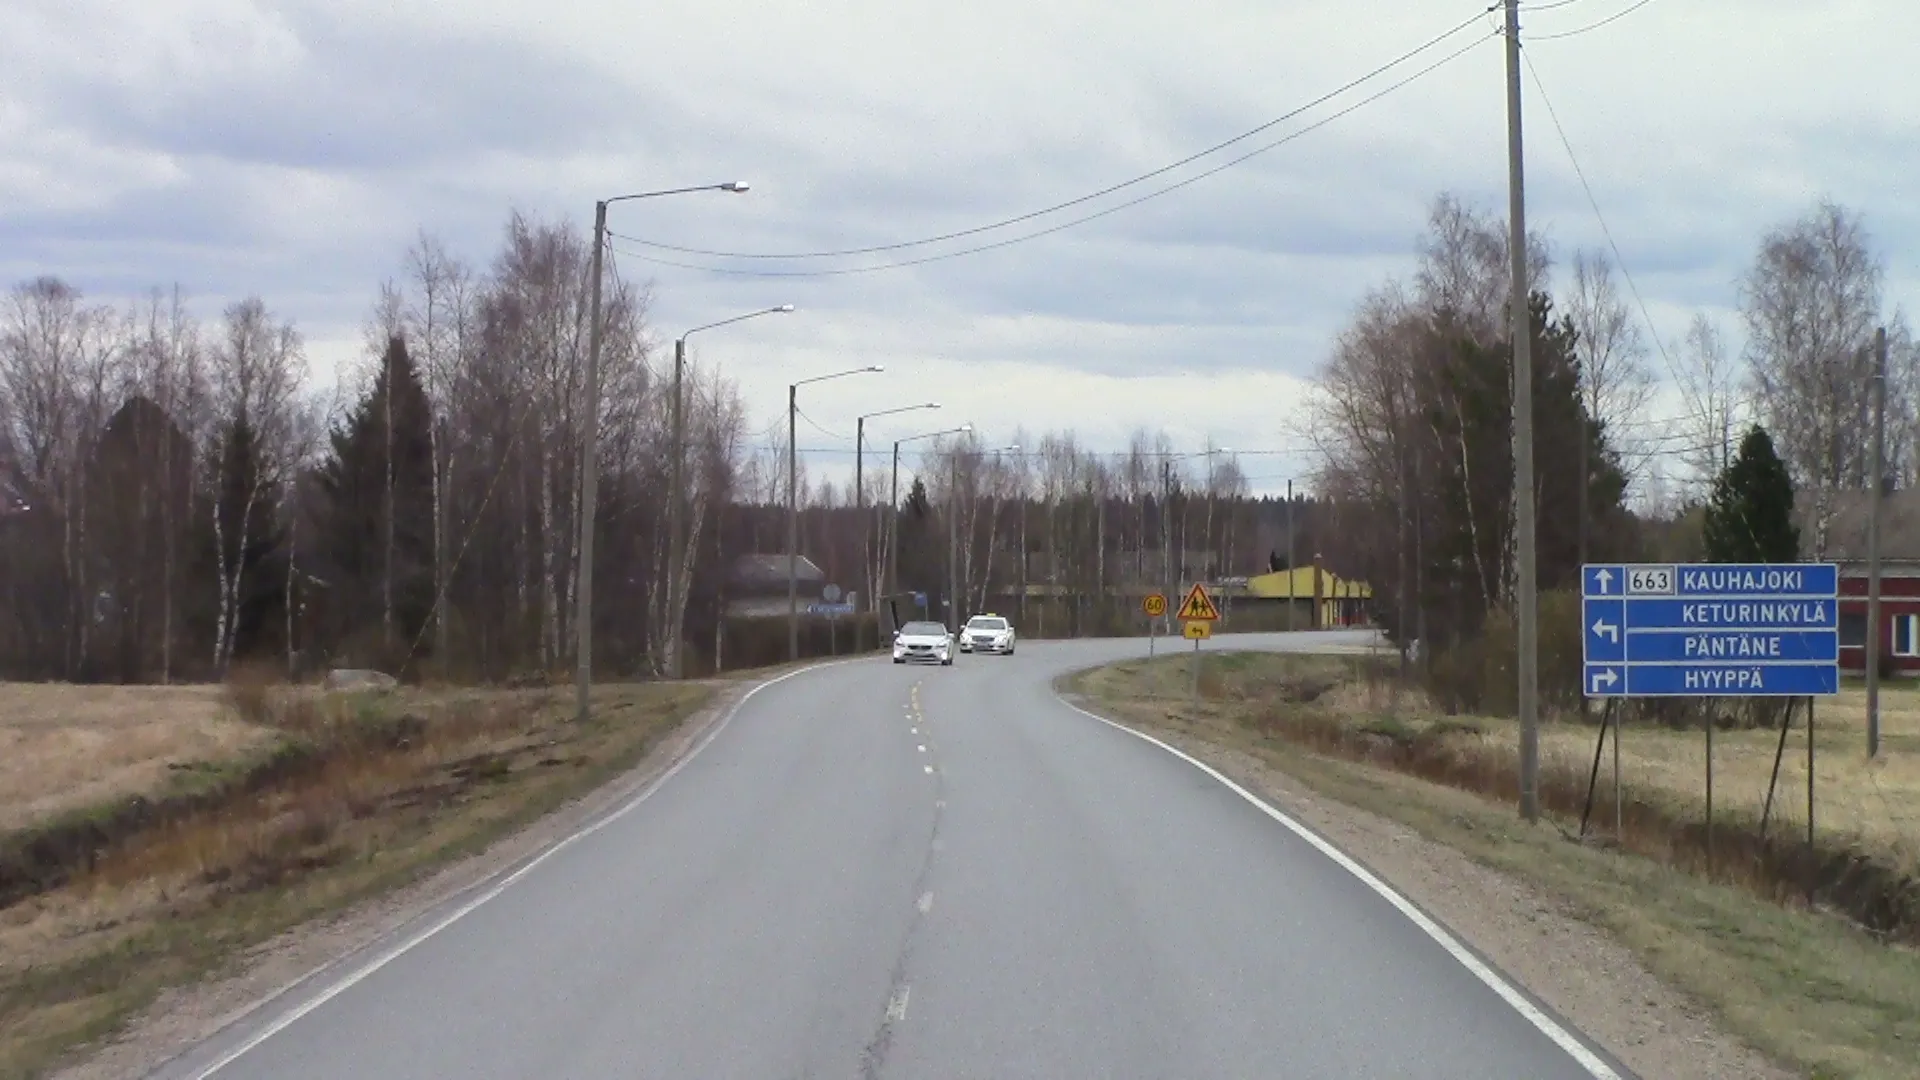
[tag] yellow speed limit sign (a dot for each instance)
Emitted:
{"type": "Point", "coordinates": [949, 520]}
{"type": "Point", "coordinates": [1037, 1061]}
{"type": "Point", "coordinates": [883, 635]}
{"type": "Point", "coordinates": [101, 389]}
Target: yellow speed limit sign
{"type": "Point", "coordinates": [1155, 605]}
{"type": "Point", "coordinates": [1197, 630]}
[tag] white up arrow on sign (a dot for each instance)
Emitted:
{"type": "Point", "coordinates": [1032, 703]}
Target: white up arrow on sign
{"type": "Point", "coordinates": [1602, 628]}
{"type": "Point", "coordinates": [1604, 577]}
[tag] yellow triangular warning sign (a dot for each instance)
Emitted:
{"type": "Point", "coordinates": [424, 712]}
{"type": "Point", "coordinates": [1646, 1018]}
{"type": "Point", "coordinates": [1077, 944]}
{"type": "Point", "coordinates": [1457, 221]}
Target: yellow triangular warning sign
{"type": "Point", "coordinates": [1198, 605]}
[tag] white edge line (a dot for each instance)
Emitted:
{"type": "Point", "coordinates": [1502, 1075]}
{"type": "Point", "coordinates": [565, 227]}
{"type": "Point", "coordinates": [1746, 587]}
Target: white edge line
{"type": "Point", "coordinates": [413, 941]}
{"type": "Point", "coordinates": [1547, 1026]}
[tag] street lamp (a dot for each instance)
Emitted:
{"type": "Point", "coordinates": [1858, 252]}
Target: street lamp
{"type": "Point", "coordinates": [860, 493]}
{"type": "Point", "coordinates": [676, 539]}
{"type": "Point", "coordinates": [793, 505]}
{"type": "Point", "coordinates": [993, 507]}
{"type": "Point", "coordinates": [590, 440]}
{"type": "Point", "coordinates": [893, 544]}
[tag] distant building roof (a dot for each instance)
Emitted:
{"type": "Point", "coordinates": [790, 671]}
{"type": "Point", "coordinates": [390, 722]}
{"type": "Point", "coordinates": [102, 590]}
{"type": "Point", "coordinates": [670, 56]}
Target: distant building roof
{"type": "Point", "coordinates": [1300, 579]}
{"type": "Point", "coordinates": [757, 570]}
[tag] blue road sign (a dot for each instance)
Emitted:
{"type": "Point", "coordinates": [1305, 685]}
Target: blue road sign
{"type": "Point", "coordinates": [1678, 630]}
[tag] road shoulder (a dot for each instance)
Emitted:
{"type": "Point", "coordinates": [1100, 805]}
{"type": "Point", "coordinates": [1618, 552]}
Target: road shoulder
{"type": "Point", "coordinates": [184, 1017]}
{"type": "Point", "coordinates": [1537, 939]}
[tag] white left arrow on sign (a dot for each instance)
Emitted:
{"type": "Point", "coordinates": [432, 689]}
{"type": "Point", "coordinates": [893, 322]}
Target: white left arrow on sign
{"type": "Point", "coordinates": [1602, 628]}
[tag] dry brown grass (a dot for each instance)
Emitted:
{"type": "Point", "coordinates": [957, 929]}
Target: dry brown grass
{"type": "Point", "coordinates": [63, 747]}
{"type": "Point", "coordinates": [1806, 986]}
{"type": "Point", "coordinates": [362, 793]}
{"type": "Point", "coordinates": [1870, 804]}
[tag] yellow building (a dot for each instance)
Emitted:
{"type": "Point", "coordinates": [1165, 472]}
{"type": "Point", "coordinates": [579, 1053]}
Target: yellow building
{"type": "Point", "coordinates": [1340, 602]}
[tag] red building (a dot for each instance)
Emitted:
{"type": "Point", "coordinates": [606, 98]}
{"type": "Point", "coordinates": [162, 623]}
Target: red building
{"type": "Point", "coordinates": [1899, 615]}
{"type": "Point", "coordinates": [1843, 541]}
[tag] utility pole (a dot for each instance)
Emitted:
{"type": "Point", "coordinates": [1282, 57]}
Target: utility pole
{"type": "Point", "coordinates": [1406, 565]}
{"type": "Point", "coordinates": [1529, 644]}
{"type": "Point", "coordinates": [676, 543]}
{"type": "Point", "coordinates": [1877, 479]}
{"type": "Point", "coordinates": [1289, 555]}
{"type": "Point", "coordinates": [793, 530]}
{"type": "Point", "coordinates": [893, 534]}
{"type": "Point", "coordinates": [589, 479]}
{"type": "Point", "coordinates": [953, 543]}
{"type": "Point", "coordinates": [860, 515]}
{"type": "Point", "coordinates": [1166, 532]}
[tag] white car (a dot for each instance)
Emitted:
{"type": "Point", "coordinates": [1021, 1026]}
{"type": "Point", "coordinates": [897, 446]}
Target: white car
{"type": "Point", "coordinates": [987, 634]}
{"type": "Point", "coordinates": [923, 643]}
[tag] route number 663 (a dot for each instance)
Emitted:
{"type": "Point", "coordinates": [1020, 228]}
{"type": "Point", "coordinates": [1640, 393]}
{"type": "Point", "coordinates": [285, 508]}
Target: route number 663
{"type": "Point", "coordinates": [1650, 579]}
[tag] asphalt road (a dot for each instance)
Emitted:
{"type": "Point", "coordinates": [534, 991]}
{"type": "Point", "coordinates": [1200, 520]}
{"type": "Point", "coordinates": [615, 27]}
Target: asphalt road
{"type": "Point", "coordinates": [882, 871]}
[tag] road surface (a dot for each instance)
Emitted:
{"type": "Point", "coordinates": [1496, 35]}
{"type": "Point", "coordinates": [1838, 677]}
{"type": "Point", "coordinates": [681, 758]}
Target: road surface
{"type": "Point", "coordinates": [904, 872]}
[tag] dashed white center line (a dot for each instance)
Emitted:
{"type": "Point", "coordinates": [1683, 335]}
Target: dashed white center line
{"type": "Point", "coordinates": [923, 748]}
{"type": "Point", "coordinates": [929, 770]}
{"type": "Point", "coordinates": [926, 902]}
{"type": "Point", "coordinates": [897, 1007]}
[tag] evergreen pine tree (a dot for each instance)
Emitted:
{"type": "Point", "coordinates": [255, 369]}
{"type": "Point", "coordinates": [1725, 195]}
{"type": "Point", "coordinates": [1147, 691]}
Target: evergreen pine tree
{"type": "Point", "coordinates": [1750, 517]}
{"type": "Point", "coordinates": [362, 497]}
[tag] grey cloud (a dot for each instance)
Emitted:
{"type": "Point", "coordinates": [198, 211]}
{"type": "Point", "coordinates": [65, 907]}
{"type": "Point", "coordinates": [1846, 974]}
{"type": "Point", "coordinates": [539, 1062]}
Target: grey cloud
{"type": "Point", "coordinates": [366, 96]}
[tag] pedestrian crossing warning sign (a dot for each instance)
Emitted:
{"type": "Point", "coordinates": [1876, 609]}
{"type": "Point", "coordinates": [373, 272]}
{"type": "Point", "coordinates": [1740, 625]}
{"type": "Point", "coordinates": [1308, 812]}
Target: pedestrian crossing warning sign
{"type": "Point", "coordinates": [1198, 605]}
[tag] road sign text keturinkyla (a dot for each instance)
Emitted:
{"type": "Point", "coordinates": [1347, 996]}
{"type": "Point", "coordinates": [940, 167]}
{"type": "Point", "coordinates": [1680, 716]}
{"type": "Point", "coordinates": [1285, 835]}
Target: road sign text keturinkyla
{"type": "Point", "coordinates": [1667, 630]}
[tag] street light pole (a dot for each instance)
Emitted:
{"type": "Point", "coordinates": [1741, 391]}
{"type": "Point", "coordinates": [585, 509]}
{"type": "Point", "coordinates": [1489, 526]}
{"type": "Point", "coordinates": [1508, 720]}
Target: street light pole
{"type": "Point", "coordinates": [993, 509]}
{"type": "Point", "coordinates": [793, 506]}
{"type": "Point", "coordinates": [860, 500]}
{"type": "Point", "coordinates": [893, 542]}
{"type": "Point", "coordinates": [590, 447]}
{"type": "Point", "coordinates": [676, 524]}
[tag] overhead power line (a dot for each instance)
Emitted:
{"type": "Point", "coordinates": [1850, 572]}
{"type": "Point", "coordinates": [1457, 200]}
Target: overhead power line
{"type": "Point", "coordinates": [1590, 27]}
{"type": "Point", "coordinates": [1009, 242]}
{"type": "Point", "coordinates": [1089, 197]}
{"type": "Point", "coordinates": [1694, 399]}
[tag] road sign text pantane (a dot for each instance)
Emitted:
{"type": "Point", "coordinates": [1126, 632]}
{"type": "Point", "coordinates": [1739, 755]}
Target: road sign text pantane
{"type": "Point", "coordinates": [1733, 647]}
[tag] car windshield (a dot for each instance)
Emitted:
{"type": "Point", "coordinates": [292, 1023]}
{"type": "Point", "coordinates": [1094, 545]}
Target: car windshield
{"type": "Point", "coordinates": [922, 629]}
{"type": "Point", "coordinates": [987, 624]}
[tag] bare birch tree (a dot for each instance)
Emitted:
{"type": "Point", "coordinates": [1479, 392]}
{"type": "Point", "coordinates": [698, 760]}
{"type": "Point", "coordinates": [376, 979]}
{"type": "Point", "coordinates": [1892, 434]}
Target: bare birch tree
{"type": "Point", "coordinates": [1811, 301]}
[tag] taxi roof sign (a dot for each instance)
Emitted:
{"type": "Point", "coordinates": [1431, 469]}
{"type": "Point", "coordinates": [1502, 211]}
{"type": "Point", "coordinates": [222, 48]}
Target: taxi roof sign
{"type": "Point", "coordinates": [1198, 605]}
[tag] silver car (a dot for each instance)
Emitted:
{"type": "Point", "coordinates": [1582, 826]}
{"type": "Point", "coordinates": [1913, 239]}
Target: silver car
{"type": "Point", "coordinates": [987, 634]}
{"type": "Point", "coordinates": [923, 643]}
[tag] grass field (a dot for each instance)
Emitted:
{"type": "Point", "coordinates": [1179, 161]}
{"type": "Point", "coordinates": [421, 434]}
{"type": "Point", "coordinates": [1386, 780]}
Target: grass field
{"type": "Point", "coordinates": [158, 833]}
{"type": "Point", "coordinates": [63, 747]}
{"type": "Point", "coordinates": [1807, 986]}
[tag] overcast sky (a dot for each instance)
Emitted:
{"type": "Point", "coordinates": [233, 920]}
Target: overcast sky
{"type": "Point", "coordinates": [294, 150]}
